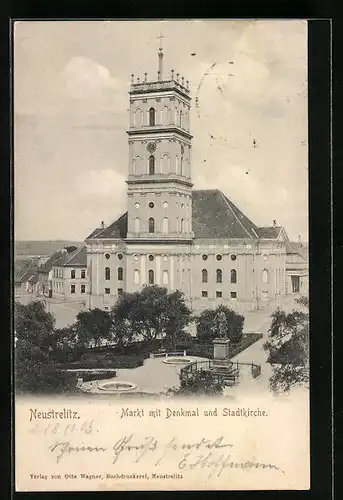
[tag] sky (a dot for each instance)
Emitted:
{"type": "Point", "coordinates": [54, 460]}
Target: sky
{"type": "Point", "coordinates": [71, 82]}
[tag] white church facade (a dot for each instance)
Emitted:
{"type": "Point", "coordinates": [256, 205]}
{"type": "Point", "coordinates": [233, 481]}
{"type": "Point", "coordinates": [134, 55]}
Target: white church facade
{"type": "Point", "coordinates": [195, 241]}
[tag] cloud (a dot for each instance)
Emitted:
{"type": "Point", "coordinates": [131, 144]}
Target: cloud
{"type": "Point", "coordinates": [101, 184]}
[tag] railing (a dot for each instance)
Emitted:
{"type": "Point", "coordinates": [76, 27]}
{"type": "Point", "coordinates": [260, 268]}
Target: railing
{"type": "Point", "coordinates": [227, 373]}
{"type": "Point", "coordinates": [156, 86]}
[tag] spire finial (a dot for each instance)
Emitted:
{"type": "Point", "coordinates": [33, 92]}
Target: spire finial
{"type": "Point", "coordinates": [172, 74]}
{"type": "Point", "coordinates": [132, 77]}
{"type": "Point", "coordinates": [145, 76]}
{"type": "Point", "coordinates": [160, 58]}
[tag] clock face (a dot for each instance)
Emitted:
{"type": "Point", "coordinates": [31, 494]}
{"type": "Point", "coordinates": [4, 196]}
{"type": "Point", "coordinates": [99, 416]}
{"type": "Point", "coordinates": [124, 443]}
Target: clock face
{"type": "Point", "coordinates": [151, 147]}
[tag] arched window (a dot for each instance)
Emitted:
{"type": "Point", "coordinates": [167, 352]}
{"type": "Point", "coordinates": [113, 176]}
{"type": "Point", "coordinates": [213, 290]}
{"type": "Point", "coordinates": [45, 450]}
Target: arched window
{"type": "Point", "coordinates": [152, 116]}
{"type": "Point", "coordinates": [165, 115]}
{"type": "Point", "coordinates": [151, 277]}
{"type": "Point", "coordinates": [204, 274]}
{"type": "Point", "coordinates": [138, 118]}
{"type": "Point", "coordinates": [182, 225]}
{"type": "Point", "coordinates": [265, 276]}
{"type": "Point", "coordinates": [233, 276]}
{"type": "Point", "coordinates": [165, 225]}
{"type": "Point", "coordinates": [180, 119]}
{"type": "Point", "coordinates": [136, 165]}
{"type": "Point", "coordinates": [165, 164]}
{"type": "Point", "coordinates": [120, 274]}
{"type": "Point", "coordinates": [107, 273]}
{"type": "Point", "coordinates": [137, 225]}
{"type": "Point", "coordinates": [151, 165]}
{"type": "Point", "coordinates": [136, 277]}
{"type": "Point", "coordinates": [219, 276]}
{"type": "Point", "coordinates": [151, 225]}
{"type": "Point", "coordinates": [165, 277]}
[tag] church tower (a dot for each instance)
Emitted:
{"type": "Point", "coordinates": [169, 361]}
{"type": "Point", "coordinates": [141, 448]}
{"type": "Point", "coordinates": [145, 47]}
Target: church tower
{"type": "Point", "coordinates": [159, 173]}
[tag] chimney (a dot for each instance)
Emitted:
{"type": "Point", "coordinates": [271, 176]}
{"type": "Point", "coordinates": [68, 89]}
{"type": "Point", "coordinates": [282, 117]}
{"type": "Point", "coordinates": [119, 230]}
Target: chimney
{"type": "Point", "coordinates": [299, 239]}
{"type": "Point", "coordinates": [102, 224]}
{"type": "Point", "coordinates": [274, 223]}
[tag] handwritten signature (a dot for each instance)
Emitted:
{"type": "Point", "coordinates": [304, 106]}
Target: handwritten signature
{"type": "Point", "coordinates": [214, 455]}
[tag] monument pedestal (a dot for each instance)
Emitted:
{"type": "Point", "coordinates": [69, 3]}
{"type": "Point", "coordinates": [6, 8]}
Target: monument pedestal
{"type": "Point", "coordinates": [221, 349]}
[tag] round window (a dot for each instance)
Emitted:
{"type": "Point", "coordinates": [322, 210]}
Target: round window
{"type": "Point", "coordinates": [219, 257]}
{"type": "Point", "coordinates": [107, 256]}
{"type": "Point", "coordinates": [233, 257]}
{"type": "Point", "coordinates": [151, 258]}
{"type": "Point", "coordinates": [204, 257]}
{"type": "Point", "coordinates": [136, 257]}
{"type": "Point", "coordinates": [120, 256]}
{"type": "Point", "coordinates": [151, 205]}
{"type": "Point", "coordinates": [137, 204]}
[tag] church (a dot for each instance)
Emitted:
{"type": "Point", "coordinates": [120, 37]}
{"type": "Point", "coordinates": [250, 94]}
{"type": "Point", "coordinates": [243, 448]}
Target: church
{"type": "Point", "coordinates": [195, 241]}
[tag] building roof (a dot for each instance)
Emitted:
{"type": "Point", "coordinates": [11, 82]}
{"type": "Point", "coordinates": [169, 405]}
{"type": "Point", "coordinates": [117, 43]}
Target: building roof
{"type": "Point", "coordinates": [214, 215]}
{"type": "Point", "coordinates": [118, 229]}
{"type": "Point", "coordinates": [297, 248]}
{"type": "Point", "coordinates": [24, 270]}
{"type": "Point", "coordinates": [76, 258]}
{"type": "Point", "coordinates": [48, 265]}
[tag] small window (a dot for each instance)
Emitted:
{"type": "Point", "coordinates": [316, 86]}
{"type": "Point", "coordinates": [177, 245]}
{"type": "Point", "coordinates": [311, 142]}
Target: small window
{"type": "Point", "coordinates": [204, 294]}
{"type": "Point", "coordinates": [165, 204]}
{"type": "Point", "coordinates": [204, 257]}
{"type": "Point", "coordinates": [107, 273]}
{"type": "Point", "coordinates": [204, 275]}
{"type": "Point", "coordinates": [151, 205]}
{"type": "Point", "coordinates": [72, 274]}
{"type": "Point", "coordinates": [136, 257]}
{"type": "Point", "coordinates": [233, 257]}
{"type": "Point", "coordinates": [151, 225]}
{"type": "Point", "coordinates": [233, 276]}
{"type": "Point", "coordinates": [137, 204]}
{"type": "Point", "coordinates": [265, 276]}
{"type": "Point", "coordinates": [152, 117]}
{"type": "Point", "coordinates": [107, 291]}
{"type": "Point", "coordinates": [83, 288]}
{"type": "Point", "coordinates": [120, 274]}
{"type": "Point", "coordinates": [120, 256]}
{"type": "Point", "coordinates": [219, 294]}
{"type": "Point", "coordinates": [219, 257]}
{"type": "Point", "coordinates": [151, 258]}
{"type": "Point", "coordinates": [151, 277]}
{"type": "Point", "coordinates": [83, 273]}
{"type": "Point", "coordinates": [72, 288]}
{"type": "Point", "coordinates": [107, 256]}
{"type": "Point", "coordinates": [120, 291]}
{"type": "Point", "coordinates": [219, 276]}
{"type": "Point", "coordinates": [233, 295]}
{"type": "Point", "coordinates": [151, 165]}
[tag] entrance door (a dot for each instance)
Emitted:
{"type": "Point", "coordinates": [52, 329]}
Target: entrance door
{"type": "Point", "coordinates": [295, 284]}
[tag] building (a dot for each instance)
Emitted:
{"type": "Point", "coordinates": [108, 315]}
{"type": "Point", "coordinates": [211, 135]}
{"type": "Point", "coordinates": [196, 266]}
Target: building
{"type": "Point", "coordinates": [296, 268]}
{"type": "Point", "coordinates": [25, 276]}
{"type": "Point", "coordinates": [196, 241]}
{"type": "Point", "coordinates": [64, 274]}
{"type": "Point", "coordinates": [69, 275]}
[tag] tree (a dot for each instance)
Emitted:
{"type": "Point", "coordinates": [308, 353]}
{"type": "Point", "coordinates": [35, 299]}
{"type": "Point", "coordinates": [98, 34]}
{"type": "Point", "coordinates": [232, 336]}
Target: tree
{"type": "Point", "coordinates": [207, 328]}
{"type": "Point", "coordinates": [33, 323]}
{"type": "Point", "coordinates": [150, 314]}
{"type": "Point", "coordinates": [35, 370]}
{"type": "Point", "coordinates": [288, 347]}
{"type": "Point", "coordinates": [70, 248]}
{"type": "Point", "coordinates": [93, 325]}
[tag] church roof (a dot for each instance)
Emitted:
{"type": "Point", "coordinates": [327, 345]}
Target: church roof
{"type": "Point", "coordinates": [75, 258]}
{"type": "Point", "coordinates": [118, 229]}
{"type": "Point", "coordinates": [214, 215]}
{"type": "Point", "coordinates": [297, 248]}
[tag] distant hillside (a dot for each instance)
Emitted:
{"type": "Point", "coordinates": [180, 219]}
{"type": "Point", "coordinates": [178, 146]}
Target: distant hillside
{"type": "Point", "coordinates": [32, 248]}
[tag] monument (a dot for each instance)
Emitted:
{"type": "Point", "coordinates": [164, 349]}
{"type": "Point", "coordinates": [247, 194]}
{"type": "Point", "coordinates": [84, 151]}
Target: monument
{"type": "Point", "coordinates": [221, 343]}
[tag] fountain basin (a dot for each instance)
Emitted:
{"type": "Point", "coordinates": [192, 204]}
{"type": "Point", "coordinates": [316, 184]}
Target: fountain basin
{"type": "Point", "coordinates": [116, 387]}
{"type": "Point", "coordinates": [177, 360]}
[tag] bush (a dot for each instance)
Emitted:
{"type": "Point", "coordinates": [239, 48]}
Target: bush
{"type": "Point", "coordinates": [98, 375]}
{"type": "Point", "coordinates": [106, 361]}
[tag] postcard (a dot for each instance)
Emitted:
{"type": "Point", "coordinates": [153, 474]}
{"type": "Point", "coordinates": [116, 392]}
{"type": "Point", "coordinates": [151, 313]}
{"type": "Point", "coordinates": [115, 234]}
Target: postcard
{"type": "Point", "coordinates": [161, 312]}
